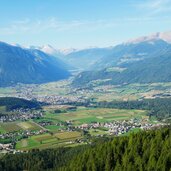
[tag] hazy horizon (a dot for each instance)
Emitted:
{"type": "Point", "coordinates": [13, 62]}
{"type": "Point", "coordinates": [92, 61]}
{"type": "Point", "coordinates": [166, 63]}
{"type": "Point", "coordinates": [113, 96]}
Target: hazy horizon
{"type": "Point", "coordinates": [78, 24]}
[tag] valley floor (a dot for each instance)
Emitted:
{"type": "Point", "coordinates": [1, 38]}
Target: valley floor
{"type": "Point", "coordinates": [65, 122]}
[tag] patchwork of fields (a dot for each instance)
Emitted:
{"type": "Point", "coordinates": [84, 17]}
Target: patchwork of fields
{"type": "Point", "coordinates": [48, 140]}
{"type": "Point", "coordinates": [88, 115]}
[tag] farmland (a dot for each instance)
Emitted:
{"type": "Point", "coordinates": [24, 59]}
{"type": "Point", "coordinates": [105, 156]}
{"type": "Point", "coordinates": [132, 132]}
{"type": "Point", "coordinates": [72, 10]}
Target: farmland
{"type": "Point", "coordinates": [58, 135]}
{"type": "Point", "coordinates": [10, 127]}
{"type": "Point", "coordinates": [88, 115]}
{"type": "Point", "coordinates": [48, 140]}
{"type": "Point", "coordinates": [18, 126]}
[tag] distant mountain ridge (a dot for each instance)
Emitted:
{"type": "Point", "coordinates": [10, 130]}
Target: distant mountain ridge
{"type": "Point", "coordinates": [20, 65]}
{"type": "Point", "coordinates": [143, 60]}
{"type": "Point", "coordinates": [95, 58]}
{"type": "Point", "coordinates": [151, 70]}
{"type": "Point", "coordinates": [127, 52]}
{"type": "Point", "coordinates": [165, 36]}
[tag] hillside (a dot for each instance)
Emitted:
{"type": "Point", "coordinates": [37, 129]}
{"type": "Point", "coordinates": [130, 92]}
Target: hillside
{"type": "Point", "coordinates": [125, 53]}
{"type": "Point", "coordinates": [128, 53]}
{"type": "Point", "coordinates": [146, 150]}
{"type": "Point", "coordinates": [154, 69]}
{"type": "Point", "coordinates": [18, 65]}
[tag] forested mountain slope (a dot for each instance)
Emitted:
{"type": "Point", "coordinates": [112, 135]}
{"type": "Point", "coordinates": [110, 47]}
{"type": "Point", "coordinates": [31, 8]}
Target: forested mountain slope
{"type": "Point", "coordinates": [155, 69]}
{"type": "Point", "coordinates": [19, 65]}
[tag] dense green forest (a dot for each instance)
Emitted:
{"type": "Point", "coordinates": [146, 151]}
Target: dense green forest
{"type": "Point", "coordinates": [14, 103]}
{"type": "Point", "coordinates": [146, 150]}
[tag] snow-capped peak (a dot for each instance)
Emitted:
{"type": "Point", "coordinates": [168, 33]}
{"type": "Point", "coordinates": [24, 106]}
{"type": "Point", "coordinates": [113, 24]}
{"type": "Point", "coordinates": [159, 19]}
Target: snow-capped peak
{"type": "Point", "coordinates": [166, 36]}
{"type": "Point", "coordinates": [48, 49]}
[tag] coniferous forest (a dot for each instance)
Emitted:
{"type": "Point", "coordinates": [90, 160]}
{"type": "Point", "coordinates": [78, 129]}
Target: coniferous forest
{"type": "Point", "coordinates": [146, 150]}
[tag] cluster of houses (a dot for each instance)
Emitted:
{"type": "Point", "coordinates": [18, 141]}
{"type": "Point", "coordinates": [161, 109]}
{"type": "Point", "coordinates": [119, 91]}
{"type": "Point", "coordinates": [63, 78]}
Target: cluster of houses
{"type": "Point", "coordinates": [6, 148]}
{"type": "Point", "coordinates": [88, 91]}
{"type": "Point", "coordinates": [22, 134]}
{"type": "Point", "coordinates": [58, 100]}
{"type": "Point", "coordinates": [116, 127]}
{"type": "Point", "coordinates": [53, 99]}
{"type": "Point", "coordinates": [21, 114]}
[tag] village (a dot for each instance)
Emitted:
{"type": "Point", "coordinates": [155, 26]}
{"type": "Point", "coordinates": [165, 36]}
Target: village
{"type": "Point", "coordinates": [21, 114]}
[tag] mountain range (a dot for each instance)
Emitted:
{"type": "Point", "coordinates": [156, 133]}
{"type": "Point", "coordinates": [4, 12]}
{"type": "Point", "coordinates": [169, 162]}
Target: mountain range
{"type": "Point", "coordinates": [100, 58]}
{"type": "Point", "coordinates": [145, 59]}
{"type": "Point", "coordinates": [154, 69]}
{"type": "Point", "coordinates": [20, 65]}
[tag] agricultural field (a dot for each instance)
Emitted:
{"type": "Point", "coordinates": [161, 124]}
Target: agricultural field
{"type": "Point", "coordinates": [29, 126]}
{"type": "Point", "coordinates": [10, 127]}
{"type": "Point", "coordinates": [68, 135]}
{"type": "Point", "coordinates": [54, 128]}
{"type": "Point", "coordinates": [87, 115]}
{"type": "Point", "coordinates": [98, 132]}
{"type": "Point", "coordinates": [2, 109]}
{"type": "Point", "coordinates": [7, 91]}
{"type": "Point", "coordinates": [18, 126]}
{"type": "Point", "coordinates": [48, 140]}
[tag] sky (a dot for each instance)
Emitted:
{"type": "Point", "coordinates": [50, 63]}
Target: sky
{"type": "Point", "coordinates": [81, 23]}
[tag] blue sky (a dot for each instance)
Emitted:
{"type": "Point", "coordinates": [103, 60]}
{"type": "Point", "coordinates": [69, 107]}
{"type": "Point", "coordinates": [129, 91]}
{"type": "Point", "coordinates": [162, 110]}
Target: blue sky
{"type": "Point", "coordinates": [81, 23]}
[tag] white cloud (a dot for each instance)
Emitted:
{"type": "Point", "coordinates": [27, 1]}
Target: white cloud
{"type": "Point", "coordinates": [154, 6]}
{"type": "Point", "coordinates": [53, 24]}
{"type": "Point", "coordinates": [36, 26]}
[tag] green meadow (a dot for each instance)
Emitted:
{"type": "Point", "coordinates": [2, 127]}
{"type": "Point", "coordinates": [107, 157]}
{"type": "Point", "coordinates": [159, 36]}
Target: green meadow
{"type": "Point", "coordinates": [18, 126]}
{"type": "Point", "coordinates": [88, 115]}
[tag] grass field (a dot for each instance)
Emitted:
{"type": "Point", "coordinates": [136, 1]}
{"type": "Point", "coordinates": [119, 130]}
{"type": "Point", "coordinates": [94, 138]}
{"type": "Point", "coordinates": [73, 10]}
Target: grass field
{"type": "Point", "coordinates": [67, 135]}
{"type": "Point", "coordinates": [47, 140]}
{"type": "Point", "coordinates": [2, 108]}
{"type": "Point", "coordinates": [10, 126]}
{"type": "Point", "coordinates": [29, 126]}
{"type": "Point", "coordinates": [54, 128]}
{"type": "Point", "coordinates": [88, 115]}
{"type": "Point", "coordinates": [17, 126]}
{"type": "Point", "coordinates": [96, 132]}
